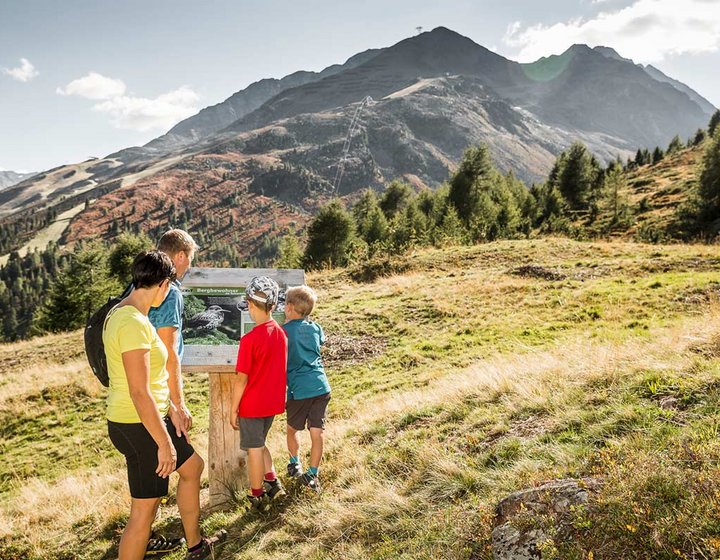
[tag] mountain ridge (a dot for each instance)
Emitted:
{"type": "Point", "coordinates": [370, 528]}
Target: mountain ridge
{"type": "Point", "coordinates": [433, 95]}
{"type": "Point", "coordinates": [10, 178]}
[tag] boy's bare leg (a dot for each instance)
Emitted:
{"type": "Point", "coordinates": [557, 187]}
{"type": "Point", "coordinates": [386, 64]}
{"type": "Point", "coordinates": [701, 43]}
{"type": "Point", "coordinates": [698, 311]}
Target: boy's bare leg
{"type": "Point", "coordinates": [293, 442]}
{"type": "Point", "coordinates": [256, 463]}
{"type": "Point", "coordinates": [188, 497]}
{"type": "Point", "coordinates": [267, 461]}
{"type": "Point", "coordinates": [317, 437]}
{"type": "Point", "coordinates": [135, 537]}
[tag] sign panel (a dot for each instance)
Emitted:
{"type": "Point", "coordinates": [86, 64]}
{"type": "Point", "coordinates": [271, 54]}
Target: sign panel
{"type": "Point", "coordinates": [216, 313]}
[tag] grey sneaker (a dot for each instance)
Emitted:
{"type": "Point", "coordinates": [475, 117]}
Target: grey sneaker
{"type": "Point", "coordinates": [294, 470]}
{"type": "Point", "coordinates": [274, 489]}
{"type": "Point", "coordinates": [209, 544]}
{"type": "Point", "coordinates": [259, 503]}
{"type": "Point", "coordinates": [311, 481]}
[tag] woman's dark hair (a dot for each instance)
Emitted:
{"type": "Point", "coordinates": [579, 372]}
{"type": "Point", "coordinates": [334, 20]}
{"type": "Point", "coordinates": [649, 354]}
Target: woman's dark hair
{"type": "Point", "coordinates": [150, 268]}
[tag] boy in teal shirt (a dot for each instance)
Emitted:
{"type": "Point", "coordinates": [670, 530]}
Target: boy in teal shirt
{"type": "Point", "coordinates": [308, 391]}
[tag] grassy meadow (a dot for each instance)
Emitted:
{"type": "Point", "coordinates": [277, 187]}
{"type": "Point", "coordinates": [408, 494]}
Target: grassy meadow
{"type": "Point", "coordinates": [459, 375]}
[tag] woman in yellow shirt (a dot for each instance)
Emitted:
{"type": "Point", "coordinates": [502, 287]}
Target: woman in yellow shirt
{"type": "Point", "coordinates": [141, 421]}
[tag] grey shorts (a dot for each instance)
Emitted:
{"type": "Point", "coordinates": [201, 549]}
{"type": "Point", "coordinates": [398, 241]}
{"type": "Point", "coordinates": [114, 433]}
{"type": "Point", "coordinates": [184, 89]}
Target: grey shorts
{"type": "Point", "coordinates": [254, 431]}
{"type": "Point", "coordinates": [307, 412]}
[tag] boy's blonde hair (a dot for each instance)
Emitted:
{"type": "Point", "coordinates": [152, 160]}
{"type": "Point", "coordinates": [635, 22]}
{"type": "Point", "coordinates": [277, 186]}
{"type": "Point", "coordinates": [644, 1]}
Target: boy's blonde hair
{"type": "Point", "coordinates": [302, 298]}
{"type": "Point", "coordinates": [176, 240]}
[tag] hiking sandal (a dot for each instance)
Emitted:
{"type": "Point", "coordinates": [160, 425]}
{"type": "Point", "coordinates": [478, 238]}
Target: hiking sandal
{"type": "Point", "coordinates": [159, 544]}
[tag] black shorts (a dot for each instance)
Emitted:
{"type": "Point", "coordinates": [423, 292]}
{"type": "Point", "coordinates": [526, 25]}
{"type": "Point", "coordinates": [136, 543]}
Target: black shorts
{"type": "Point", "coordinates": [310, 412]}
{"type": "Point", "coordinates": [140, 450]}
{"type": "Point", "coordinates": [254, 431]}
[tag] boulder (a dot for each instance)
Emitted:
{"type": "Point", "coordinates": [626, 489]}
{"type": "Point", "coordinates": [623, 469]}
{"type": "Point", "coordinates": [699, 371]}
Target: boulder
{"type": "Point", "coordinates": [551, 501]}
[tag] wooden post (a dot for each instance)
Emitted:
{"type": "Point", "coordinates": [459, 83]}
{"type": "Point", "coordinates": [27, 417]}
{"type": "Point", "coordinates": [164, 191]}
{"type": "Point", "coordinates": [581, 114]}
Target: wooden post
{"type": "Point", "coordinates": [226, 461]}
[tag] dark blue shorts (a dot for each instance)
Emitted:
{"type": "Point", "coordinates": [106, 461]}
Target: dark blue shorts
{"type": "Point", "coordinates": [254, 431]}
{"type": "Point", "coordinates": [310, 412]}
{"type": "Point", "coordinates": [140, 450]}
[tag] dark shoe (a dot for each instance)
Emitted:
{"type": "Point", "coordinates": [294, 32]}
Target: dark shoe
{"type": "Point", "coordinates": [294, 470]}
{"type": "Point", "coordinates": [311, 481]}
{"type": "Point", "coordinates": [159, 544]}
{"type": "Point", "coordinates": [259, 503]}
{"type": "Point", "coordinates": [274, 489]}
{"type": "Point", "coordinates": [208, 548]}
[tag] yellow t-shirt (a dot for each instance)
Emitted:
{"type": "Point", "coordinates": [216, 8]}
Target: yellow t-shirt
{"type": "Point", "coordinates": [127, 329]}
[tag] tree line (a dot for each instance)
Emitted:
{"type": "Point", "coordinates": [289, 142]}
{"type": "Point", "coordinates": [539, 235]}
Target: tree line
{"type": "Point", "coordinates": [581, 198]}
{"type": "Point", "coordinates": [54, 290]}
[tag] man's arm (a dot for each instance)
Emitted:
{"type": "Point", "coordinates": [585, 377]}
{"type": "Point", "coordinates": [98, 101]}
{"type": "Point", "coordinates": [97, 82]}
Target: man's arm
{"type": "Point", "coordinates": [182, 419]}
{"type": "Point", "coordinates": [241, 380]}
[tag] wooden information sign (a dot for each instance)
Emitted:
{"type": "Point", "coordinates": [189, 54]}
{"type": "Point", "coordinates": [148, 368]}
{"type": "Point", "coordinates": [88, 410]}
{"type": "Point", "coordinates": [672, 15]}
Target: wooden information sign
{"type": "Point", "coordinates": [216, 318]}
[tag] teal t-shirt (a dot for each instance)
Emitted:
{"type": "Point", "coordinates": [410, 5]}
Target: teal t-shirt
{"type": "Point", "coordinates": [305, 373]}
{"type": "Point", "coordinates": [170, 313]}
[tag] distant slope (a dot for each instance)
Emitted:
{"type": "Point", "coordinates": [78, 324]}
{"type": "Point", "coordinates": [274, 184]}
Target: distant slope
{"type": "Point", "coordinates": [587, 90]}
{"type": "Point", "coordinates": [216, 117]}
{"type": "Point", "coordinates": [658, 75]}
{"type": "Point", "coordinates": [433, 95]}
{"type": "Point", "coordinates": [10, 178]}
{"type": "Point", "coordinates": [290, 167]}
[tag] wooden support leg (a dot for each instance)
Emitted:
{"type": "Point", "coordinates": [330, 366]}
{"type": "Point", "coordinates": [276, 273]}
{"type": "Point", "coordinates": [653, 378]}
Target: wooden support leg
{"type": "Point", "coordinates": [227, 469]}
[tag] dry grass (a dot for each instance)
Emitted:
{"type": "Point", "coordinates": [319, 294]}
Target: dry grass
{"type": "Point", "coordinates": [468, 400]}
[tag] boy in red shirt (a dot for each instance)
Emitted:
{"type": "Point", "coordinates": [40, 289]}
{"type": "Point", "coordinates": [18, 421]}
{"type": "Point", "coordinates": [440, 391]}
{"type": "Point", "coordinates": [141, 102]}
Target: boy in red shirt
{"type": "Point", "coordinates": [259, 390]}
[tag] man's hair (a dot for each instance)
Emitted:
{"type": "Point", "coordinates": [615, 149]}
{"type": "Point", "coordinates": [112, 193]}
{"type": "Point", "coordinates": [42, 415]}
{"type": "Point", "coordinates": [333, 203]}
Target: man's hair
{"type": "Point", "coordinates": [150, 268]}
{"type": "Point", "coordinates": [176, 240]}
{"type": "Point", "coordinates": [303, 299]}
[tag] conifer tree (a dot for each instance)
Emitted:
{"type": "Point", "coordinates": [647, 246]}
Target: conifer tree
{"type": "Point", "coordinates": [709, 185]}
{"type": "Point", "coordinates": [657, 155]}
{"type": "Point", "coordinates": [699, 137]}
{"type": "Point", "coordinates": [78, 290]}
{"type": "Point", "coordinates": [329, 237]}
{"type": "Point", "coordinates": [396, 196]}
{"type": "Point", "coordinates": [577, 177]}
{"type": "Point", "coordinates": [467, 184]}
{"type": "Point", "coordinates": [370, 221]}
{"type": "Point", "coordinates": [289, 252]}
{"type": "Point", "coordinates": [123, 253]}
{"type": "Point", "coordinates": [675, 145]}
{"type": "Point", "coordinates": [714, 122]}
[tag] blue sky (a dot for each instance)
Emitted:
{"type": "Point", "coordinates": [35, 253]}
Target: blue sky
{"type": "Point", "coordinates": [81, 78]}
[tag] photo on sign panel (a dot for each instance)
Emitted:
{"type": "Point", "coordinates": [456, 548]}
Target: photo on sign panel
{"type": "Point", "coordinates": [219, 315]}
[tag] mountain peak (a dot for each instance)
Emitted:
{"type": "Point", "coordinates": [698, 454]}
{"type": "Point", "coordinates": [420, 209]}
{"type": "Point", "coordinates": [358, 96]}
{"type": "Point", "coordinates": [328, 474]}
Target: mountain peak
{"type": "Point", "coordinates": [609, 52]}
{"type": "Point", "coordinates": [579, 48]}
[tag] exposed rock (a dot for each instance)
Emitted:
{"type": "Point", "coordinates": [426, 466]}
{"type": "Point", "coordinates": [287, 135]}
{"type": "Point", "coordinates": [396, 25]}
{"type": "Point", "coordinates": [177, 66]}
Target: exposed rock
{"type": "Point", "coordinates": [553, 500]}
{"type": "Point", "coordinates": [536, 271]}
{"type": "Point", "coordinates": [668, 403]}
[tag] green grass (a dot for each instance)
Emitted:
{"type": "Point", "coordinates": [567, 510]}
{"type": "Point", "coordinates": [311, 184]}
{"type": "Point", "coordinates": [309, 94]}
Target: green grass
{"type": "Point", "coordinates": [486, 381]}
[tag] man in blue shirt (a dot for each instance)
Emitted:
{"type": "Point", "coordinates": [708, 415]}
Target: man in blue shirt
{"type": "Point", "coordinates": [308, 387]}
{"type": "Point", "coordinates": [167, 320]}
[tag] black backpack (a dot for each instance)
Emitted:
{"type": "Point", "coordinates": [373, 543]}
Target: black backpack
{"type": "Point", "coordinates": [94, 347]}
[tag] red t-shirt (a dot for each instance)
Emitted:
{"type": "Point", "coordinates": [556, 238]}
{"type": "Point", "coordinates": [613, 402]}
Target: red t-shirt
{"type": "Point", "coordinates": [263, 358]}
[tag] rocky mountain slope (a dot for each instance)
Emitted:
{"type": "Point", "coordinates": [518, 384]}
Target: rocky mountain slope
{"type": "Point", "coordinates": [10, 178]}
{"type": "Point", "coordinates": [406, 111]}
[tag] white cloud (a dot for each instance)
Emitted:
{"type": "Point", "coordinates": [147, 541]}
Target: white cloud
{"type": "Point", "coordinates": [143, 114]}
{"type": "Point", "coordinates": [24, 73]}
{"type": "Point", "coordinates": [94, 86]}
{"type": "Point", "coordinates": [131, 111]}
{"type": "Point", "coordinates": [646, 31]}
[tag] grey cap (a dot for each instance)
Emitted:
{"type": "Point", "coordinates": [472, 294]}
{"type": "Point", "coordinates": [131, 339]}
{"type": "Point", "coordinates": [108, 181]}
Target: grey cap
{"type": "Point", "coordinates": [264, 285]}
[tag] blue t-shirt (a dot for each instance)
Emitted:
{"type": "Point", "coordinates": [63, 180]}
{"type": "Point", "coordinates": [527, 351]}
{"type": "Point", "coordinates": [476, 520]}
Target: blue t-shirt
{"type": "Point", "coordinates": [170, 313]}
{"type": "Point", "coordinates": [305, 373]}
